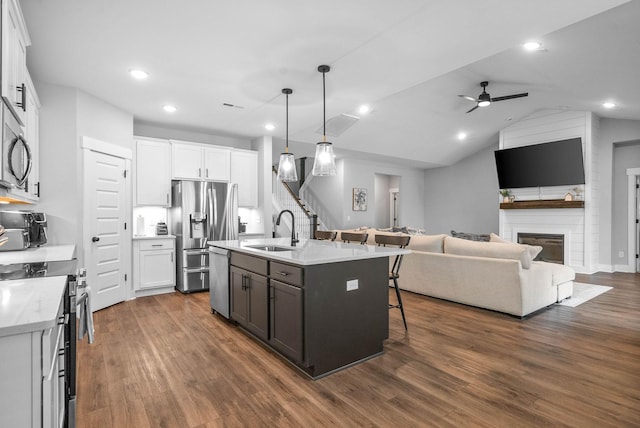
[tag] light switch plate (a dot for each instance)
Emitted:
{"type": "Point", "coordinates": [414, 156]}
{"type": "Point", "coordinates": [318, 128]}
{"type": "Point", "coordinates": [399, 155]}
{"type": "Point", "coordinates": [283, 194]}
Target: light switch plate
{"type": "Point", "coordinates": [352, 285]}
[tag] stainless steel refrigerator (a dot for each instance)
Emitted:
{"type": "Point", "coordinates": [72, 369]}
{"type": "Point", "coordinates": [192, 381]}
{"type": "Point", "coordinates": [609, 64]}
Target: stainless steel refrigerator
{"type": "Point", "coordinates": [200, 211]}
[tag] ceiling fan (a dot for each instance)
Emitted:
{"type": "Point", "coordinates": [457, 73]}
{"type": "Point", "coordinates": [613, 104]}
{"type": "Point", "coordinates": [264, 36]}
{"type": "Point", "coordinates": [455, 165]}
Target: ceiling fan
{"type": "Point", "coordinates": [484, 99]}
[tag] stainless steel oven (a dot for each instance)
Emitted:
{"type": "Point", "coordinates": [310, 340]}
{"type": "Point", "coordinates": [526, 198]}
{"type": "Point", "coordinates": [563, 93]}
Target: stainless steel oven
{"type": "Point", "coordinates": [16, 153]}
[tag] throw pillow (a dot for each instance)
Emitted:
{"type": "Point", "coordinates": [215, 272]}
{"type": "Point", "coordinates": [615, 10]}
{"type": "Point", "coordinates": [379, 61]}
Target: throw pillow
{"type": "Point", "coordinates": [428, 243]}
{"type": "Point", "coordinates": [534, 250]}
{"type": "Point", "coordinates": [470, 236]}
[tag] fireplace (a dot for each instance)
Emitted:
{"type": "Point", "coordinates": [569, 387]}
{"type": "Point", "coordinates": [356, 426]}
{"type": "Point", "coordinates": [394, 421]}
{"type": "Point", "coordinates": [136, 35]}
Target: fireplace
{"type": "Point", "coordinates": [552, 246]}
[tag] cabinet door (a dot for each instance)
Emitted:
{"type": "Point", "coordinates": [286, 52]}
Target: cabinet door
{"type": "Point", "coordinates": [286, 319]}
{"type": "Point", "coordinates": [216, 164]}
{"type": "Point", "coordinates": [238, 296]}
{"type": "Point", "coordinates": [157, 269]}
{"type": "Point", "coordinates": [187, 161]}
{"type": "Point", "coordinates": [244, 172]}
{"type": "Point", "coordinates": [153, 173]}
{"type": "Point", "coordinates": [258, 310]}
{"type": "Point", "coordinates": [14, 58]}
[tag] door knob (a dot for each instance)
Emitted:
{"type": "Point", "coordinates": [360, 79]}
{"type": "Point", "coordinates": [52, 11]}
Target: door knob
{"type": "Point", "coordinates": [95, 239]}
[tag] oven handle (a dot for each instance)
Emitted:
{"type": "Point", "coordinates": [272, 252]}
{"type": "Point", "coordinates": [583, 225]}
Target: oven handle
{"type": "Point", "coordinates": [23, 178]}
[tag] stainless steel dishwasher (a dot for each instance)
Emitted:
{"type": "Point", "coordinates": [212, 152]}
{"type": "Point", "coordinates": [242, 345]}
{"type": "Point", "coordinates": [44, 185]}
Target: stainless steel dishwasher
{"type": "Point", "coordinates": [219, 280]}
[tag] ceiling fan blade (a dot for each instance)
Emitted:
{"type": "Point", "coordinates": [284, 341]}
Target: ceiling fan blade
{"type": "Point", "coordinates": [467, 97]}
{"type": "Point", "coordinates": [472, 109]}
{"type": "Point", "coordinates": [510, 97]}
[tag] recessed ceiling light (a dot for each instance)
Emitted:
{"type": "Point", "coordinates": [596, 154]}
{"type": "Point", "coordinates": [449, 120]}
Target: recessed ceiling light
{"type": "Point", "coordinates": [169, 108]}
{"type": "Point", "coordinates": [532, 46]}
{"type": "Point", "coordinates": [609, 104]}
{"type": "Point", "coordinates": [138, 74]}
{"type": "Point", "coordinates": [363, 109]}
{"type": "Point", "coordinates": [269, 127]}
{"type": "Point", "coordinates": [462, 136]}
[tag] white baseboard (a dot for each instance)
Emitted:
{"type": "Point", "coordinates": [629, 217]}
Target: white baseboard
{"type": "Point", "coordinates": [623, 268]}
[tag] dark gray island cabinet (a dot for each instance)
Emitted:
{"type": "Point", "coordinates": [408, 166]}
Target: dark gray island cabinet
{"type": "Point", "coordinates": [321, 317]}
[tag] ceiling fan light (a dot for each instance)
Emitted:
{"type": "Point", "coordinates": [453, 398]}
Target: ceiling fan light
{"type": "Point", "coordinates": [484, 103]}
{"type": "Point", "coordinates": [324, 163]}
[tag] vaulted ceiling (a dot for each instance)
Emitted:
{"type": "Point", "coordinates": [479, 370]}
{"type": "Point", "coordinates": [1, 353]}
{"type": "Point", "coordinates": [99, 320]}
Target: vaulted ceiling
{"type": "Point", "coordinates": [407, 59]}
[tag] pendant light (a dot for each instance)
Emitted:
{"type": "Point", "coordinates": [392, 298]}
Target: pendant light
{"type": "Point", "coordinates": [324, 164]}
{"type": "Point", "coordinates": [287, 166]}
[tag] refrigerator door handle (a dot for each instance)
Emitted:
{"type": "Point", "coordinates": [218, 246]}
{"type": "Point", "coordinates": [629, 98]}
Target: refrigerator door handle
{"type": "Point", "coordinates": [213, 206]}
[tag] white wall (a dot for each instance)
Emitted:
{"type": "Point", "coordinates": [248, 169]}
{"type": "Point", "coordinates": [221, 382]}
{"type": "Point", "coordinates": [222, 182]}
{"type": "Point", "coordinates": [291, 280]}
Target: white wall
{"type": "Point", "coordinates": [66, 115]}
{"type": "Point", "coordinates": [59, 163]}
{"type": "Point", "coordinates": [624, 156]}
{"type": "Point", "coordinates": [464, 196]}
{"type": "Point", "coordinates": [143, 129]}
{"type": "Point", "coordinates": [381, 208]}
{"type": "Point", "coordinates": [331, 197]}
{"type": "Point", "coordinates": [612, 131]}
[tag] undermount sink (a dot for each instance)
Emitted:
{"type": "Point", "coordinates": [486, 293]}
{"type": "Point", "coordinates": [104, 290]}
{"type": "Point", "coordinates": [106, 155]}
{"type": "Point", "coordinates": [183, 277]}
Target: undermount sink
{"type": "Point", "coordinates": [269, 248]}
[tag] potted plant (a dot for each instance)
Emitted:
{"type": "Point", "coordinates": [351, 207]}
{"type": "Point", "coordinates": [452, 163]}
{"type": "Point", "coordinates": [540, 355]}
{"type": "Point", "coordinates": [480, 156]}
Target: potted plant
{"type": "Point", "coordinates": [506, 195]}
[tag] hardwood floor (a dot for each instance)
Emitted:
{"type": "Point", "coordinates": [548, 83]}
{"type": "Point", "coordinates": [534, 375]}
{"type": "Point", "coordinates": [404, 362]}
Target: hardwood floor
{"type": "Point", "coordinates": [165, 361]}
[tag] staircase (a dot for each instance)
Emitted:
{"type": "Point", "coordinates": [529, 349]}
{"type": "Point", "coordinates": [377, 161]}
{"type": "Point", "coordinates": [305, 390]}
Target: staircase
{"type": "Point", "coordinates": [284, 198]}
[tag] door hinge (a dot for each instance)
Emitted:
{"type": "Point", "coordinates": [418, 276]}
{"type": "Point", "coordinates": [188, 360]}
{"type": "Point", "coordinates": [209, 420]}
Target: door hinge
{"type": "Point", "coordinates": [124, 173]}
{"type": "Point", "coordinates": [125, 277]}
{"type": "Point", "coordinates": [637, 186]}
{"type": "Point", "coordinates": [125, 225]}
{"type": "Point", "coordinates": [637, 221]}
{"type": "Point", "coordinates": [637, 256]}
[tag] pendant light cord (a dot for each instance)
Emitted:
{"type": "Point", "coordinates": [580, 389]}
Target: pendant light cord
{"type": "Point", "coordinates": [287, 125]}
{"type": "Point", "coordinates": [324, 111]}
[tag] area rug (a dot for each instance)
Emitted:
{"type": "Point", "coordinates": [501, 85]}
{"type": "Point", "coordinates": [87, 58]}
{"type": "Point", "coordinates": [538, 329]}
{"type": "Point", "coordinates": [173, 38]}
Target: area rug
{"type": "Point", "coordinates": [584, 292]}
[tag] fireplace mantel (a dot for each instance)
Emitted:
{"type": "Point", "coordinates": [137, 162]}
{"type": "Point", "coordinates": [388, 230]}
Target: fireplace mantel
{"type": "Point", "coordinates": [540, 204]}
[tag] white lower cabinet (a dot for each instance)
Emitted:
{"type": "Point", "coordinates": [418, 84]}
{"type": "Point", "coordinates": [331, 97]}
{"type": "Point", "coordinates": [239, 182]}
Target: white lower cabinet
{"type": "Point", "coordinates": [154, 264]}
{"type": "Point", "coordinates": [32, 378]}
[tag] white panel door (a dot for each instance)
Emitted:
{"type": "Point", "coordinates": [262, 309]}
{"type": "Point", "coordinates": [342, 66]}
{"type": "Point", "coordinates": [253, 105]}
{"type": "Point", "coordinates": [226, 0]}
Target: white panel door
{"type": "Point", "coordinates": [105, 207]}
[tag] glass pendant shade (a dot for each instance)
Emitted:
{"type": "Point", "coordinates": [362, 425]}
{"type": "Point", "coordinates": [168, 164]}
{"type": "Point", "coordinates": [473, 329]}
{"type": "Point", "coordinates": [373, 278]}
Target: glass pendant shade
{"type": "Point", "coordinates": [287, 167]}
{"type": "Point", "coordinates": [324, 163]}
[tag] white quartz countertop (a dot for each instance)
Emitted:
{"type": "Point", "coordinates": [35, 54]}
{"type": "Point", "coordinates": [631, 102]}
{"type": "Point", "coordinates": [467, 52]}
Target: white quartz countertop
{"type": "Point", "coordinates": [28, 305]}
{"type": "Point", "coordinates": [46, 253]}
{"type": "Point", "coordinates": [142, 237]}
{"type": "Point", "coordinates": [309, 251]}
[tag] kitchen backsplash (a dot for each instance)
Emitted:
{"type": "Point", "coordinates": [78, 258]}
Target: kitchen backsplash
{"type": "Point", "coordinates": [253, 219]}
{"type": "Point", "coordinates": [146, 218]}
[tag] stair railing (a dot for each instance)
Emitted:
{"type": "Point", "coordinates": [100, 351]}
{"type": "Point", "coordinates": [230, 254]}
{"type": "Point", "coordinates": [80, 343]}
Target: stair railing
{"type": "Point", "coordinates": [285, 199]}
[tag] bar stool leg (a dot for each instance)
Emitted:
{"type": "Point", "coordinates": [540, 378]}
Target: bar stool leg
{"type": "Point", "coordinates": [404, 320]}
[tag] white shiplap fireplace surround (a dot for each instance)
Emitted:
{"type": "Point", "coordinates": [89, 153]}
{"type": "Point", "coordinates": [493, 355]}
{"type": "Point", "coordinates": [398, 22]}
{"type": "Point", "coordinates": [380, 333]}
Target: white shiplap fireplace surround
{"type": "Point", "coordinates": [578, 225]}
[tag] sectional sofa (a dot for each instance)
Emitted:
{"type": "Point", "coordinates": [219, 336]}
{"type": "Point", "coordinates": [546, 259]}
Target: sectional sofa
{"type": "Point", "coordinates": [497, 275]}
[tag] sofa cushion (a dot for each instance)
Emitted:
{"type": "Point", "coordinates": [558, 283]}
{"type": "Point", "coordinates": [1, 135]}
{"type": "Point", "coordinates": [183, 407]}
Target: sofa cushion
{"type": "Point", "coordinates": [559, 273]}
{"type": "Point", "coordinates": [534, 250]}
{"type": "Point", "coordinates": [428, 243]}
{"type": "Point", "coordinates": [496, 250]}
{"type": "Point", "coordinates": [470, 236]}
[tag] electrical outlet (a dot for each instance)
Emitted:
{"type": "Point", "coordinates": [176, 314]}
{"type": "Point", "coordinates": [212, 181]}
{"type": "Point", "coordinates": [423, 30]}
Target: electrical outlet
{"type": "Point", "coordinates": [621, 254]}
{"type": "Point", "coordinates": [352, 285]}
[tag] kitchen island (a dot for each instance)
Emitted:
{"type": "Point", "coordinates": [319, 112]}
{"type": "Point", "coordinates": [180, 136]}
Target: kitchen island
{"type": "Point", "coordinates": [322, 305]}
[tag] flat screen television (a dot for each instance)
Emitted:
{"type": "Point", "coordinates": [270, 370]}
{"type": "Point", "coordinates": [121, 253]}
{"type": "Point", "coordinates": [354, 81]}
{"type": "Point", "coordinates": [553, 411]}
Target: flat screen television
{"type": "Point", "coordinates": [557, 163]}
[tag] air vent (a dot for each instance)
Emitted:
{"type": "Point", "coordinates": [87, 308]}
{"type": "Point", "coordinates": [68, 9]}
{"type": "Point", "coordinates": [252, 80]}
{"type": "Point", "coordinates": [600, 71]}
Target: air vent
{"type": "Point", "coordinates": [338, 124]}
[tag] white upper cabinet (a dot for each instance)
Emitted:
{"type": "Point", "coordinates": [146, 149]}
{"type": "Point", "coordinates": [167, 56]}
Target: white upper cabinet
{"type": "Point", "coordinates": [200, 162]}
{"type": "Point", "coordinates": [244, 172]}
{"type": "Point", "coordinates": [216, 164]}
{"type": "Point", "coordinates": [153, 173]}
{"type": "Point", "coordinates": [15, 40]}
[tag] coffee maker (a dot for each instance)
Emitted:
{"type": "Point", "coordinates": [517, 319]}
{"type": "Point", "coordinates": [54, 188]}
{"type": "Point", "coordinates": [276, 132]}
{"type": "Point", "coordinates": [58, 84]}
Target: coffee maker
{"type": "Point", "coordinates": [24, 229]}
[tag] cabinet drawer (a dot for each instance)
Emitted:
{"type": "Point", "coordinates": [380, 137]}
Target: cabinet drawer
{"type": "Point", "coordinates": [156, 244]}
{"type": "Point", "coordinates": [286, 273]}
{"type": "Point", "coordinates": [253, 264]}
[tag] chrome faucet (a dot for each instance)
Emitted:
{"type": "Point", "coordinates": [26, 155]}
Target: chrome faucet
{"type": "Point", "coordinates": [293, 226]}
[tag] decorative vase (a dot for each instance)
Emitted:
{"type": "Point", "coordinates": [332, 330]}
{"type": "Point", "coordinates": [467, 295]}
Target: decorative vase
{"type": "Point", "coordinates": [506, 199]}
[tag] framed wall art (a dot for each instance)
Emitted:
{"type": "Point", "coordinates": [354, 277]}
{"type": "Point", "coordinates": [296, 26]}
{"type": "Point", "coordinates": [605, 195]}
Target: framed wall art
{"type": "Point", "coordinates": [359, 199]}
